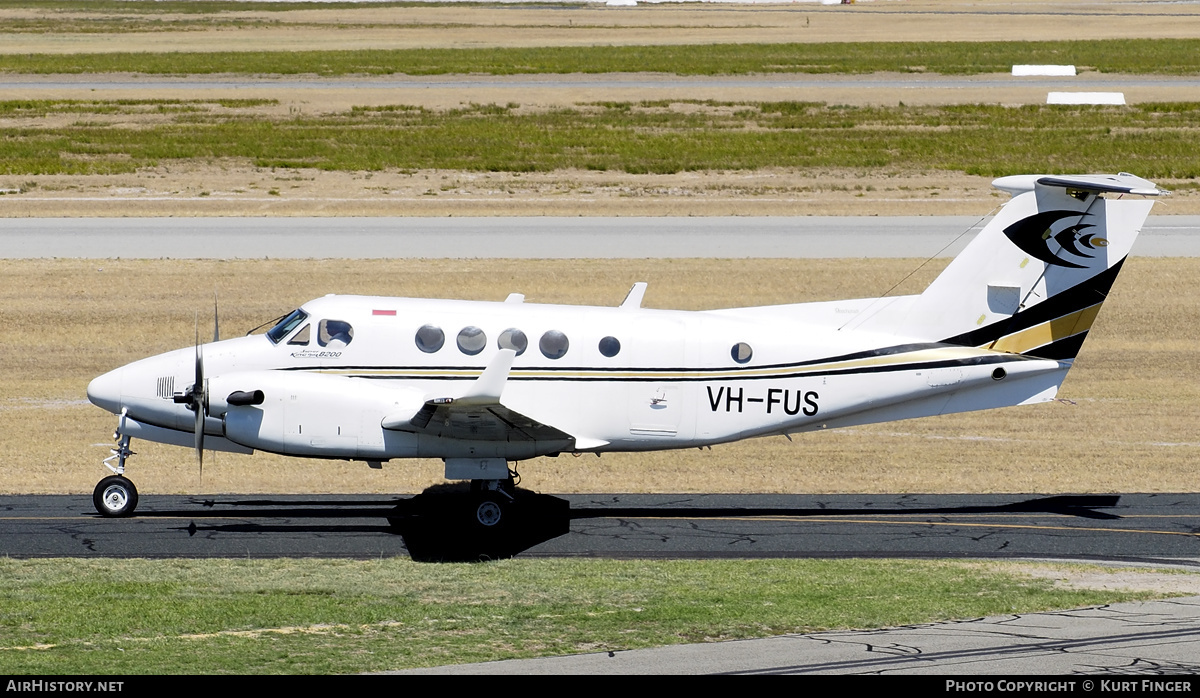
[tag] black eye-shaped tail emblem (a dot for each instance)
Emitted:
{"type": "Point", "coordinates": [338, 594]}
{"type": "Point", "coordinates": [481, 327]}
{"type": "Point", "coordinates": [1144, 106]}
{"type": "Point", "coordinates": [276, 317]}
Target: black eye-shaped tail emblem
{"type": "Point", "coordinates": [1033, 235]}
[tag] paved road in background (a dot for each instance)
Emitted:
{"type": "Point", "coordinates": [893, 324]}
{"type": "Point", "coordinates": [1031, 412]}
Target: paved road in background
{"type": "Point", "coordinates": [606, 80]}
{"type": "Point", "coordinates": [526, 237]}
{"type": "Point", "coordinates": [651, 81]}
{"type": "Point", "coordinates": [1157, 642]}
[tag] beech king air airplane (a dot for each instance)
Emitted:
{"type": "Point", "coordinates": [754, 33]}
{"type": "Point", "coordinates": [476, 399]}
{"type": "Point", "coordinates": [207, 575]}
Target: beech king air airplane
{"type": "Point", "coordinates": [482, 384]}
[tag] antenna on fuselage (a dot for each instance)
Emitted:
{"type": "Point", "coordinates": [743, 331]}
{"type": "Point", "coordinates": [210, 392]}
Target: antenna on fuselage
{"type": "Point", "coordinates": [633, 299]}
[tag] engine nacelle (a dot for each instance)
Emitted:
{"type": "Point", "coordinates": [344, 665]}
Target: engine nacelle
{"type": "Point", "coordinates": [313, 414]}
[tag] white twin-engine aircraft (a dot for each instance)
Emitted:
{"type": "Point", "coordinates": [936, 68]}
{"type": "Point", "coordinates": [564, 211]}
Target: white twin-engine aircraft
{"type": "Point", "coordinates": [481, 384]}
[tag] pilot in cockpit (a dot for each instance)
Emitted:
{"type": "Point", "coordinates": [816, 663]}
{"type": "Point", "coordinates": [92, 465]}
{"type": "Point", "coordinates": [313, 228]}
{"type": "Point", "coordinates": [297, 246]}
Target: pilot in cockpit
{"type": "Point", "coordinates": [339, 332]}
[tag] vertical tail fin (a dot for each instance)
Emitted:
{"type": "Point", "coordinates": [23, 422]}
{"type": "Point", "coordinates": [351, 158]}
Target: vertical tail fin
{"type": "Point", "coordinates": [1034, 278]}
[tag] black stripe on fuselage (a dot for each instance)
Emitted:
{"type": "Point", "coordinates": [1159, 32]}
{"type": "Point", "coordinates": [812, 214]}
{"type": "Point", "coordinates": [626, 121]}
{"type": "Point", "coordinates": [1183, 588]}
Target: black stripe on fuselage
{"type": "Point", "coordinates": [1063, 349]}
{"type": "Point", "coordinates": [565, 374]}
{"type": "Point", "coordinates": [733, 370]}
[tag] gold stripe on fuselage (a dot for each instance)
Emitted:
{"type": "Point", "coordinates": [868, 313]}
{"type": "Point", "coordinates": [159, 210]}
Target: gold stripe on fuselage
{"type": "Point", "coordinates": [1047, 332]}
{"type": "Point", "coordinates": [922, 356]}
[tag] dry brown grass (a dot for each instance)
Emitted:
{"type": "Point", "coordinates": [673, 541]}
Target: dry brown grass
{"type": "Point", "coordinates": [460, 26]}
{"type": "Point", "coordinates": [240, 189]}
{"type": "Point", "coordinates": [237, 188]}
{"type": "Point", "coordinates": [1128, 421]}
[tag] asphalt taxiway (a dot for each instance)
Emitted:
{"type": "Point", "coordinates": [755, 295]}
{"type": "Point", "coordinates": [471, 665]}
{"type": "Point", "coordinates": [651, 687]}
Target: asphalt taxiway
{"type": "Point", "coordinates": [1161, 529]}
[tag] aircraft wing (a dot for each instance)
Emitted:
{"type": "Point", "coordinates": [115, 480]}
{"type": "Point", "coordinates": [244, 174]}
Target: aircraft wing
{"type": "Point", "coordinates": [478, 415]}
{"type": "Point", "coordinates": [448, 418]}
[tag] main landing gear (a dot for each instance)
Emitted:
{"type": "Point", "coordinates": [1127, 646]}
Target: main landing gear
{"type": "Point", "coordinates": [491, 503]}
{"type": "Point", "coordinates": [115, 495]}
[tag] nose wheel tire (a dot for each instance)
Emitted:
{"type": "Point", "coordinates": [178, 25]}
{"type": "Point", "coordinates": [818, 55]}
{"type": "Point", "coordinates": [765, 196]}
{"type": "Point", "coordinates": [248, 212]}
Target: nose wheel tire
{"type": "Point", "coordinates": [115, 496]}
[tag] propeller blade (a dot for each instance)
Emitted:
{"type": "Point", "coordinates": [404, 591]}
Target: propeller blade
{"type": "Point", "coordinates": [216, 322]}
{"type": "Point", "coordinates": [199, 400]}
{"type": "Point", "coordinates": [200, 443]}
{"type": "Point", "coordinates": [199, 360]}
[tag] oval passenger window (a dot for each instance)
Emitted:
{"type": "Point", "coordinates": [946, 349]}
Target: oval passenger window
{"type": "Point", "coordinates": [554, 344]}
{"type": "Point", "coordinates": [471, 340]}
{"type": "Point", "coordinates": [610, 346]}
{"type": "Point", "coordinates": [429, 339]}
{"type": "Point", "coordinates": [514, 339]}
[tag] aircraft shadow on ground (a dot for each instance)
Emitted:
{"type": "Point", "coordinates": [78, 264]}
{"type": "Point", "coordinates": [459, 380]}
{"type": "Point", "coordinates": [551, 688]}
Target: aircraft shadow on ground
{"type": "Point", "coordinates": [438, 525]}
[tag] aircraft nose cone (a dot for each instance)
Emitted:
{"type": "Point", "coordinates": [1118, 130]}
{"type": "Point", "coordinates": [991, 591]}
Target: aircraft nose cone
{"type": "Point", "coordinates": [105, 391]}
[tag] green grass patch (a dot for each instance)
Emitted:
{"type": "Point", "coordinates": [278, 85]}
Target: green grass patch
{"type": "Point", "coordinates": [1154, 140]}
{"type": "Point", "coordinates": [313, 616]}
{"type": "Point", "coordinates": [1136, 56]}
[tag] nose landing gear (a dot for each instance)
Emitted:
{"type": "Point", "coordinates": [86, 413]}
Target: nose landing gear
{"type": "Point", "coordinates": [115, 495]}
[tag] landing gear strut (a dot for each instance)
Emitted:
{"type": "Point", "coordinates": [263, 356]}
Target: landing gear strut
{"type": "Point", "coordinates": [115, 495]}
{"type": "Point", "coordinates": [492, 501]}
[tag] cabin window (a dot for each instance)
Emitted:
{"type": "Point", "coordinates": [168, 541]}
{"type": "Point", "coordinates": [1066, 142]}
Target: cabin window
{"type": "Point", "coordinates": [554, 344]}
{"type": "Point", "coordinates": [741, 352]}
{"type": "Point", "coordinates": [471, 340]}
{"type": "Point", "coordinates": [610, 346]}
{"type": "Point", "coordinates": [286, 325]}
{"type": "Point", "coordinates": [514, 339]}
{"type": "Point", "coordinates": [302, 336]}
{"type": "Point", "coordinates": [429, 338]}
{"type": "Point", "coordinates": [334, 333]}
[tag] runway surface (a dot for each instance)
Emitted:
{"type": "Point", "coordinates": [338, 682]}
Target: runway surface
{"type": "Point", "coordinates": [1144, 528]}
{"type": "Point", "coordinates": [526, 237]}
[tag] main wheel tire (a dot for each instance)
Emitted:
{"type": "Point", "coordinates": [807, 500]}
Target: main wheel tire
{"type": "Point", "coordinates": [115, 496]}
{"type": "Point", "coordinates": [489, 513]}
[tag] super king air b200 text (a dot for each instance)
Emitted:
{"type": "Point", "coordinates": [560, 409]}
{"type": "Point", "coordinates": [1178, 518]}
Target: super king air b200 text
{"type": "Point", "coordinates": [483, 384]}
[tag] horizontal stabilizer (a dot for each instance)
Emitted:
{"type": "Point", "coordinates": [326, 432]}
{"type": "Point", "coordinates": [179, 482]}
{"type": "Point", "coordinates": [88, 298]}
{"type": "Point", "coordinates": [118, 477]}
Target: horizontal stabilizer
{"type": "Point", "coordinates": [1123, 183]}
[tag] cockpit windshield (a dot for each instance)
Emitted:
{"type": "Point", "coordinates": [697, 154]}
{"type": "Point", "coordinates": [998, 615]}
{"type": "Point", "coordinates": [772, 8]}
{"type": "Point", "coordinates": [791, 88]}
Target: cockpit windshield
{"type": "Point", "coordinates": [286, 325]}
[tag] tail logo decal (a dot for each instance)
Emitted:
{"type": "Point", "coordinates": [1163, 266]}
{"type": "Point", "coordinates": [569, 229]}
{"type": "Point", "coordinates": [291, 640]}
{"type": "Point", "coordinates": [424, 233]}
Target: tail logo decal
{"type": "Point", "coordinates": [1033, 236]}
